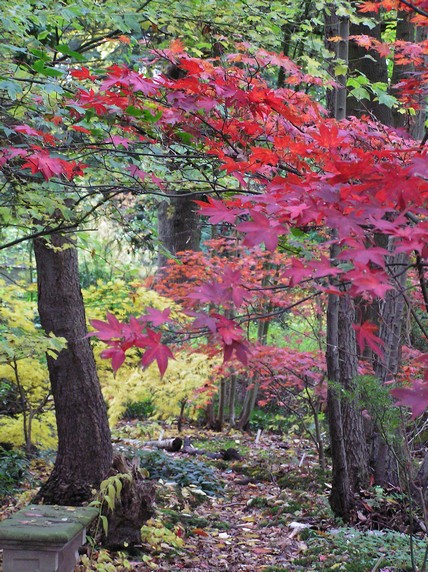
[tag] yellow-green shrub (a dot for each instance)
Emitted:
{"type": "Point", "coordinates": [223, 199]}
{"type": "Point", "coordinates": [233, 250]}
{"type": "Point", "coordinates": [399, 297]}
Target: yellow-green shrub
{"type": "Point", "coordinates": [23, 348]}
{"type": "Point", "coordinates": [124, 299]}
{"type": "Point", "coordinates": [43, 430]}
{"type": "Point", "coordinates": [185, 375]}
{"type": "Point", "coordinates": [183, 380]}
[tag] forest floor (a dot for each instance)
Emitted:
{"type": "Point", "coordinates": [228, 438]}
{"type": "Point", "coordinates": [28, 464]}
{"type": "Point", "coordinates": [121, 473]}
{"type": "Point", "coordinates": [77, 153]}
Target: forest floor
{"type": "Point", "coordinates": [267, 512]}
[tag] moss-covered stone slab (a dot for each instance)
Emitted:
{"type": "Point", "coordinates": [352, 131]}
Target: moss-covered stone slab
{"type": "Point", "coordinates": [46, 524]}
{"type": "Point", "coordinates": [42, 538]}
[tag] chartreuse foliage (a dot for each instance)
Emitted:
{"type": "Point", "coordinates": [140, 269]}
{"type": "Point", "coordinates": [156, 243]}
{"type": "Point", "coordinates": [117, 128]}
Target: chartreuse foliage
{"type": "Point", "coordinates": [125, 299]}
{"type": "Point", "coordinates": [187, 374]}
{"type": "Point", "coordinates": [23, 369]}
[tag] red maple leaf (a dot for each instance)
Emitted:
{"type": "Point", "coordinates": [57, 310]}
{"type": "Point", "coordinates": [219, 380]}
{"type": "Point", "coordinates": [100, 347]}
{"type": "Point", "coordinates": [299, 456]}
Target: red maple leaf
{"type": "Point", "coordinates": [217, 211]}
{"type": "Point", "coordinates": [117, 356]}
{"type": "Point", "coordinates": [414, 396]}
{"type": "Point", "coordinates": [376, 255]}
{"type": "Point", "coordinates": [157, 317]}
{"type": "Point", "coordinates": [240, 349]}
{"type": "Point", "coordinates": [106, 331]}
{"type": "Point", "coordinates": [82, 73]}
{"type": "Point", "coordinates": [233, 284]}
{"type": "Point", "coordinates": [203, 320]}
{"type": "Point", "coordinates": [42, 162]}
{"type": "Point", "coordinates": [212, 292]}
{"type": "Point", "coordinates": [136, 172]}
{"type": "Point", "coordinates": [261, 229]}
{"type": "Point", "coordinates": [155, 350]}
{"type": "Point", "coordinates": [118, 140]}
{"type": "Point", "coordinates": [297, 272]}
{"type": "Point", "coordinates": [367, 281]}
{"type": "Point", "coordinates": [80, 129]}
{"type": "Point", "coordinates": [27, 130]}
{"type": "Point", "coordinates": [366, 337]}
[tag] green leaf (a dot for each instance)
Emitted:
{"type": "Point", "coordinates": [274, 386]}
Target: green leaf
{"type": "Point", "coordinates": [66, 51]}
{"type": "Point", "coordinates": [340, 69]}
{"type": "Point", "coordinates": [104, 523]}
{"type": "Point", "coordinates": [133, 111]}
{"type": "Point", "coordinates": [42, 35]}
{"type": "Point", "coordinates": [39, 67]}
{"type": "Point", "coordinates": [13, 88]}
{"type": "Point", "coordinates": [185, 137]}
{"type": "Point", "coordinates": [360, 93]}
{"type": "Point", "coordinates": [109, 501]}
{"type": "Point", "coordinates": [386, 99]}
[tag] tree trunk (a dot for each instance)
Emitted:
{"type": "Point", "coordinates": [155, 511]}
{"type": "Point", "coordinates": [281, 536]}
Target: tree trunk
{"type": "Point", "coordinates": [221, 405]}
{"type": "Point", "coordinates": [353, 427]}
{"type": "Point", "coordinates": [349, 456]}
{"type": "Point", "coordinates": [251, 395]}
{"type": "Point", "coordinates": [232, 400]}
{"type": "Point", "coordinates": [373, 67]}
{"type": "Point", "coordinates": [84, 444]}
{"type": "Point", "coordinates": [407, 32]}
{"type": "Point", "coordinates": [341, 496]}
{"type": "Point", "coordinates": [178, 227]}
{"type": "Point", "coordinates": [386, 451]}
{"type": "Point", "coordinates": [133, 506]}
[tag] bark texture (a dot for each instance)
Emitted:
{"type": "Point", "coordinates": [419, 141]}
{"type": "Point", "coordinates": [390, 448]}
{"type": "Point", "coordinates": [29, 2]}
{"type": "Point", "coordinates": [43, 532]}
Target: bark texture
{"type": "Point", "coordinates": [178, 227]}
{"type": "Point", "coordinates": [341, 496]}
{"type": "Point", "coordinates": [407, 32]}
{"type": "Point", "coordinates": [84, 444]}
{"type": "Point", "coordinates": [387, 452]}
{"type": "Point", "coordinates": [353, 427]}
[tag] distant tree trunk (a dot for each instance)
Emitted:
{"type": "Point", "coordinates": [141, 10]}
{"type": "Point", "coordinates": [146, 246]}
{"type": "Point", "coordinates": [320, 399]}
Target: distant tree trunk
{"type": "Point", "coordinates": [353, 427]}
{"type": "Point", "coordinates": [178, 227]}
{"type": "Point", "coordinates": [387, 452]}
{"type": "Point", "coordinates": [251, 395]}
{"type": "Point", "coordinates": [341, 496]}
{"type": "Point", "coordinates": [373, 67]}
{"type": "Point", "coordinates": [343, 414]}
{"type": "Point", "coordinates": [210, 414]}
{"type": "Point", "coordinates": [84, 444]}
{"type": "Point", "coordinates": [221, 405]}
{"type": "Point", "coordinates": [232, 400]}
{"type": "Point", "coordinates": [408, 32]}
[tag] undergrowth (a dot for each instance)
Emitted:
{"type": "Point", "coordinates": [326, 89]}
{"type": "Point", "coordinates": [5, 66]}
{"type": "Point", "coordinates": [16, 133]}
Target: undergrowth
{"type": "Point", "coordinates": [351, 550]}
{"type": "Point", "coordinates": [181, 472]}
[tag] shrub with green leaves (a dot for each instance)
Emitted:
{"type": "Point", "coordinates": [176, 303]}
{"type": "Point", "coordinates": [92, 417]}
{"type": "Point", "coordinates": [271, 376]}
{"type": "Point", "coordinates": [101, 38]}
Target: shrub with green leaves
{"type": "Point", "coordinates": [182, 472]}
{"type": "Point", "coordinates": [139, 409]}
{"type": "Point", "coordinates": [26, 415]}
{"type": "Point", "coordinates": [13, 470]}
{"type": "Point", "coordinates": [351, 550]}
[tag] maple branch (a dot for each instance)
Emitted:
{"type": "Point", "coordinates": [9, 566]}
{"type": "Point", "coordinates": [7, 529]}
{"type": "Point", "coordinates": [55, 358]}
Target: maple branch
{"type": "Point", "coordinates": [61, 227]}
{"type": "Point", "coordinates": [411, 309]}
{"type": "Point", "coordinates": [414, 8]}
{"type": "Point", "coordinates": [38, 234]}
{"type": "Point", "coordinates": [278, 312]}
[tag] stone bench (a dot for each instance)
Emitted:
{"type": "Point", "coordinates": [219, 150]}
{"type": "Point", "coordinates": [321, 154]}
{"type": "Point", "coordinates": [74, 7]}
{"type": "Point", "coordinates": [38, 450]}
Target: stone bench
{"type": "Point", "coordinates": [43, 538]}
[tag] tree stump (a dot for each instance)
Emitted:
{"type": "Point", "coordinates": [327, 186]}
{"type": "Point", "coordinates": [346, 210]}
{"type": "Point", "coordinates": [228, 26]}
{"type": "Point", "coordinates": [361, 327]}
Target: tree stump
{"type": "Point", "coordinates": [133, 507]}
